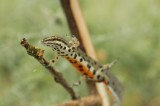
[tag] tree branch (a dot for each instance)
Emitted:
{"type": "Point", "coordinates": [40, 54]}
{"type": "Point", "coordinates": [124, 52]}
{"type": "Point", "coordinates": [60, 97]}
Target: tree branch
{"type": "Point", "coordinates": [38, 55]}
{"type": "Point", "coordinates": [85, 101]}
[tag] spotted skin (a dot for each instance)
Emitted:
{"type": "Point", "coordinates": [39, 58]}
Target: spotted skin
{"type": "Point", "coordinates": [84, 64]}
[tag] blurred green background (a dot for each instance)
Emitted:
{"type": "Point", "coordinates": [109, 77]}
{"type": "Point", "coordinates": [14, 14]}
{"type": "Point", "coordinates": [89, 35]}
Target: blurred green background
{"type": "Point", "coordinates": [126, 28]}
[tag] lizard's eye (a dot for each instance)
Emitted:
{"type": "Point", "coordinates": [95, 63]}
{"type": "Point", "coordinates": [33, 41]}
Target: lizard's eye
{"type": "Point", "coordinates": [42, 41]}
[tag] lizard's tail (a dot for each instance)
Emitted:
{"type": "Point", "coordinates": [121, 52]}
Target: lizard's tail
{"type": "Point", "coordinates": [116, 98]}
{"type": "Point", "coordinates": [114, 86]}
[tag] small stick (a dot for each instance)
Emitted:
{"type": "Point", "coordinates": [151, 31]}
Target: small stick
{"type": "Point", "coordinates": [93, 100]}
{"type": "Point", "coordinates": [38, 55]}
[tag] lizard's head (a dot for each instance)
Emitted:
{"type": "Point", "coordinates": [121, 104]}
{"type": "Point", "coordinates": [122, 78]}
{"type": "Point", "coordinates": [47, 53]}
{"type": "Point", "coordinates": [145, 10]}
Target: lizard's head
{"type": "Point", "coordinates": [55, 42]}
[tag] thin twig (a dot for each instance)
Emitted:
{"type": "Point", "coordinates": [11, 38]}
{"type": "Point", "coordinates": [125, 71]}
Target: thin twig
{"type": "Point", "coordinates": [38, 55]}
{"type": "Point", "coordinates": [85, 101]}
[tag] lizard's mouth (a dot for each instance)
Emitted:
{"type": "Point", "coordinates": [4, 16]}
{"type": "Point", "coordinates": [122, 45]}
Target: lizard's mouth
{"type": "Point", "coordinates": [44, 42]}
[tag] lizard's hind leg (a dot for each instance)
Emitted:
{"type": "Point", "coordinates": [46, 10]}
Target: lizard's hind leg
{"type": "Point", "coordinates": [108, 66]}
{"type": "Point", "coordinates": [83, 77]}
{"type": "Point", "coordinates": [54, 60]}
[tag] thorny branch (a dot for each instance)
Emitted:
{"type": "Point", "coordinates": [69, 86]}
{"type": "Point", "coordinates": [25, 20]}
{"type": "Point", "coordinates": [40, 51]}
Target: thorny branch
{"type": "Point", "coordinates": [38, 55]}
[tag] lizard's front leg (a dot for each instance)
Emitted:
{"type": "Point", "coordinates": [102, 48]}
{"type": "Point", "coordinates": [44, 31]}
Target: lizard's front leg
{"type": "Point", "coordinates": [74, 43]}
{"type": "Point", "coordinates": [54, 60]}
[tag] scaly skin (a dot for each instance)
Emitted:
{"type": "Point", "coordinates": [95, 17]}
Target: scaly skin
{"type": "Point", "coordinates": [87, 66]}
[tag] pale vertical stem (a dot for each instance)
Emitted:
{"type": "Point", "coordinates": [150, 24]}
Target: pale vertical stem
{"type": "Point", "coordinates": [88, 46]}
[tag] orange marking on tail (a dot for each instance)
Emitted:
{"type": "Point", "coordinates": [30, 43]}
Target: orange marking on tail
{"type": "Point", "coordinates": [108, 90]}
